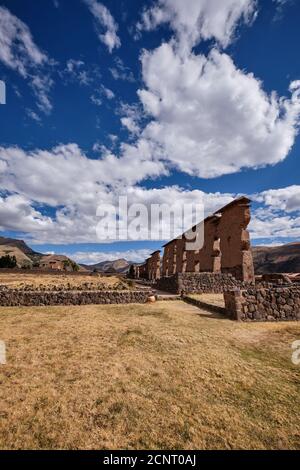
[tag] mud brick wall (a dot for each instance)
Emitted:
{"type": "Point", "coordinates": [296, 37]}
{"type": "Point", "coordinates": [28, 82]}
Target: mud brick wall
{"type": "Point", "coordinates": [199, 283]}
{"type": "Point", "coordinates": [273, 304]}
{"type": "Point", "coordinates": [226, 248]}
{"type": "Point", "coordinates": [15, 298]}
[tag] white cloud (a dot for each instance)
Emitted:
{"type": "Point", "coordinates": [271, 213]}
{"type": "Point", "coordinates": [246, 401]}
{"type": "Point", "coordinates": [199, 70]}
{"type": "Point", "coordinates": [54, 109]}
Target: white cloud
{"type": "Point", "coordinates": [195, 20]}
{"type": "Point", "coordinates": [74, 186]}
{"type": "Point", "coordinates": [279, 213]}
{"type": "Point", "coordinates": [98, 94]}
{"type": "Point", "coordinates": [275, 227]}
{"type": "Point", "coordinates": [210, 118]}
{"type": "Point", "coordinates": [17, 48]}
{"type": "Point", "coordinates": [65, 174]}
{"type": "Point", "coordinates": [19, 52]}
{"type": "Point", "coordinates": [94, 257]}
{"type": "Point", "coordinates": [107, 92]}
{"type": "Point", "coordinates": [33, 115]}
{"type": "Point", "coordinates": [284, 199]}
{"type": "Point", "coordinates": [130, 124]}
{"type": "Point", "coordinates": [96, 100]}
{"type": "Point", "coordinates": [17, 213]}
{"type": "Point", "coordinates": [41, 85]}
{"type": "Point", "coordinates": [106, 25]}
{"type": "Point", "coordinates": [75, 71]}
{"type": "Point", "coordinates": [121, 72]}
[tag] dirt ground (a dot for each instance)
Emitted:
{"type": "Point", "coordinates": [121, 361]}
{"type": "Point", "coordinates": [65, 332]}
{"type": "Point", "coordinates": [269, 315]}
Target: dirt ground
{"type": "Point", "coordinates": [155, 376]}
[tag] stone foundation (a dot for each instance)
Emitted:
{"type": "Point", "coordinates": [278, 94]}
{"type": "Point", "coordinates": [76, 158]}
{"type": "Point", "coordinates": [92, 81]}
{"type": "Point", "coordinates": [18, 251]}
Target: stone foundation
{"type": "Point", "coordinates": [273, 304]}
{"type": "Point", "coordinates": [204, 305]}
{"type": "Point", "coordinates": [199, 283]}
{"type": "Point", "coordinates": [15, 298]}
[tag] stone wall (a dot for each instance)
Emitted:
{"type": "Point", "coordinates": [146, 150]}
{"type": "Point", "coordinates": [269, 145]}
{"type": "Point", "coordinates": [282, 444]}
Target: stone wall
{"type": "Point", "coordinates": [204, 305]}
{"type": "Point", "coordinates": [199, 283]}
{"type": "Point", "coordinates": [256, 304]}
{"type": "Point", "coordinates": [226, 245]}
{"type": "Point", "coordinates": [153, 266]}
{"type": "Point", "coordinates": [14, 298]}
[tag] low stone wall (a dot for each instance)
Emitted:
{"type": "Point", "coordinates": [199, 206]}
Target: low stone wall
{"type": "Point", "coordinates": [204, 305]}
{"type": "Point", "coordinates": [15, 298]}
{"type": "Point", "coordinates": [274, 304]}
{"type": "Point", "coordinates": [199, 283]}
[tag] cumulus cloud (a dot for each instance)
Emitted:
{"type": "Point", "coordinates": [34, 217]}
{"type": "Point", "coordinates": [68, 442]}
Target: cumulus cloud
{"type": "Point", "coordinates": [207, 117]}
{"type": "Point", "coordinates": [94, 257]}
{"type": "Point", "coordinates": [210, 118]}
{"type": "Point", "coordinates": [66, 174]}
{"type": "Point", "coordinates": [74, 186]}
{"type": "Point", "coordinates": [200, 114]}
{"type": "Point", "coordinates": [195, 20]}
{"type": "Point", "coordinates": [17, 213]}
{"type": "Point", "coordinates": [275, 226]}
{"type": "Point", "coordinates": [19, 52]}
{"type": "Point", "coordinates": [105, 23]}
{"type": "Point", "coordinates": [284, 199]}
{"type": "Point", "coordinates": [278, 215]}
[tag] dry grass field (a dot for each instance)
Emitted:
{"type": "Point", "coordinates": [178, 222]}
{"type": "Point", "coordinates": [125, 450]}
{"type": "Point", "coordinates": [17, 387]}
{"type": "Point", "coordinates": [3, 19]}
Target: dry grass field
{"type": "Point", "coordinates": [20, 280]}
{"type": "Point", "coordinates": [212, 299]}
{"type": "Point", "coordinates": [161, 376]}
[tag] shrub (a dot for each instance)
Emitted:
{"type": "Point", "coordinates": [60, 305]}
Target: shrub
{"type": "Point", "coordinates": [8, 262]}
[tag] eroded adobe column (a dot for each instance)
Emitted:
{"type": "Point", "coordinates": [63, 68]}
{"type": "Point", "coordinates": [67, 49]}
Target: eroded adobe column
{"type": "Point", "coordinates": [197, 261]}
{"type": "Point", "coordinates": [208, 255]}
{"type": "Point", "coordinates": [235, 240]}
{"type": "Point", "coordinates": [184, 261]}
{"type": "Point", "coordinates": [167, 261]}
{"type": "Point", "coordinates": [155, 265]}
{"type": "Point", "coordinates": [216, 253]}
{"type": "Point", "coordinates": [174, 258]}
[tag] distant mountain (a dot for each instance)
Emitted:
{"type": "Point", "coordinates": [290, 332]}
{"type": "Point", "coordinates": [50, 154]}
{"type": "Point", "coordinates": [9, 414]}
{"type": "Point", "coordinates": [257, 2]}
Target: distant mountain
{"type": "Point", "coordinates": [120, 266]}
{"type": "Point", "coordinates": [277, 259]}
{"type": "Point", "coordinates": [26, 257]}
{"type": "Point", "coordinates": [22, 258]}
{"type": "Point", "coordinates": [21, 245]}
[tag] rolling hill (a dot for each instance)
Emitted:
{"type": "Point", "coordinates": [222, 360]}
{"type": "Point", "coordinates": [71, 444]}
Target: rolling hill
{"type": "Point", "coordinates": [277, 259]}
{"type": "Point", "coordinates": [21, 257]}
{"type": "Point", "coordinates": [120, 266]}
{"type": "Point", "coordinates": [20, 244]}
{"type": "Point", "coordinates": [283, 258]}
{"type": "Point", "coordinates": [26, 257]}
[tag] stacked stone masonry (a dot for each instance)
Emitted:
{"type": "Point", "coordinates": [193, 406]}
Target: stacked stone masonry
{"type": "Point", "coordinates": [199, 283]}
{"type": "Point", "coordinates": [272, 304]}
{"type": "Point", "coordinates": [14, 298]}
{"type": "Point", "coordinates": [223, 246]}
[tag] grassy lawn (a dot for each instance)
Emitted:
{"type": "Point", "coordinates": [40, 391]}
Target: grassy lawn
{"type": "Point", "coordinates": [163, 376]}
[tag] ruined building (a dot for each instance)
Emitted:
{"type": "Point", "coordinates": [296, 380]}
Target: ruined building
{"type": "Point", "coordinates": [226, 247]}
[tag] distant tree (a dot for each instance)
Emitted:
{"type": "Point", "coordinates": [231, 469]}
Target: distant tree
{"type": "Point", "coordinates": [75, 266]}
{"type": "Point", "coordinates": [26, 265]}
{"type": "Point", "coordinates": [131, 272]}
{"type": "Point", "coordinates": [70, 265]}
{"type": "Point", "coordinates": [8, 262]}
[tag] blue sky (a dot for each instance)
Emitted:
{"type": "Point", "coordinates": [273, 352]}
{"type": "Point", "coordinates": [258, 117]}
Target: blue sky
{"type": "Point", "coordinates": [157, 101]}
